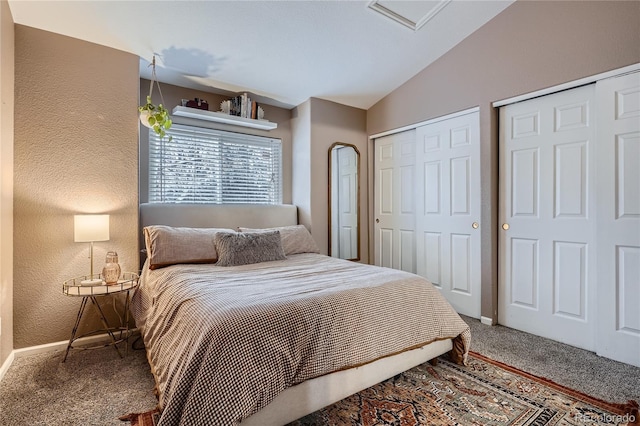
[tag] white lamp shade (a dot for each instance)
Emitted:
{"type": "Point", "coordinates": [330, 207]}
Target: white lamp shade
{"type": "Point", "coordinates": [90, 227]}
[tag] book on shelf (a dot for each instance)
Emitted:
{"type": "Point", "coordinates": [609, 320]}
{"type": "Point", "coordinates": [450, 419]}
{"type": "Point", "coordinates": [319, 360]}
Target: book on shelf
{"type": "Point", "coordinates": [254, 110]}
{"type": "Point", "coordinates": [243, 106]}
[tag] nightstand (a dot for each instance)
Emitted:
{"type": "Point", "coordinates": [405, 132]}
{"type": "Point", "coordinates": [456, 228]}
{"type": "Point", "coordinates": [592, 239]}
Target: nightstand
{"type": "Point", "coordinates": [90, 293]}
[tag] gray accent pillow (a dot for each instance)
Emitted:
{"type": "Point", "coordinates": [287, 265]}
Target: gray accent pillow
{"type": "Point", "coordinates": [295, 238]}
{"type": "Point", "coordinates": [250, 247]}
{"type": "Point", "coordinates": [167, 245]}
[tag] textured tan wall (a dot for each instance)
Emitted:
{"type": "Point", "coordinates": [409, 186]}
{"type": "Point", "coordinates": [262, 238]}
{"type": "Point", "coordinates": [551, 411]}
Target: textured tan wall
{"type": "Point", "coordinates": [174, 94]}
{"type": "Point", "coordinates": [317, 124]}
{"type": "Point", "coordinates": [6, 179]}
{"type": "Point", "coordinates": [76, 151]}
{"type": "Point", "coordinates": [332, 122]}
{"type": "Point", "coordinates": [531, 45]}
{"type": "Point", "coordinates": [301, 160]}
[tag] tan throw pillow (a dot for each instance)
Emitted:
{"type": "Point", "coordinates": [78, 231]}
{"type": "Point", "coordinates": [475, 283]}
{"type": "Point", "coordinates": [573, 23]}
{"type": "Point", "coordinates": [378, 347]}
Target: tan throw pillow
{"type": "Point", "coordinates": [167, 245]}
{"type": "Point", "coordinates": [295, 238]}
{"type": "Point", "coordinates": [246, 248]}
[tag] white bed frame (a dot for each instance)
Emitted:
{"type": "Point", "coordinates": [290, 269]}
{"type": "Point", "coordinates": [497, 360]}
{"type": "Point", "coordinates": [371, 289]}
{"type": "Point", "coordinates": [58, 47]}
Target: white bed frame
{"type": "Point", "coordinates": [314, 394]}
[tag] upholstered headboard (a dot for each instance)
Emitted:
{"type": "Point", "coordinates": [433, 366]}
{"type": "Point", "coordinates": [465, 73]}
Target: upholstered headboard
{"type": "Point", "coordinates": [217, 216]}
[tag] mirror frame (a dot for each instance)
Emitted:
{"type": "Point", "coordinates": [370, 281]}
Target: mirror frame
{"type": "Point", "coordinates": [355, 148]}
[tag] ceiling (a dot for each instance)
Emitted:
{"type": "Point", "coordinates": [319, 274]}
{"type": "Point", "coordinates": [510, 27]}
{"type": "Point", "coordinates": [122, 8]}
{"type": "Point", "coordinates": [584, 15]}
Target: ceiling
{"type": "Point", "coordinates": [284, 52]}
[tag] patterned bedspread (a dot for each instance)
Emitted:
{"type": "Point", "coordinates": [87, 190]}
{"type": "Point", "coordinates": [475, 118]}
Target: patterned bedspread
{"type": "Point", "coordinates": [224, 341]}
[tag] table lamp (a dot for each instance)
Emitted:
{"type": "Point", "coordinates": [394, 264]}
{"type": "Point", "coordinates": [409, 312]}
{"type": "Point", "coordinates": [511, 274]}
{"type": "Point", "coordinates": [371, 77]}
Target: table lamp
{"type": "Point", "coordinates": [88, 228]}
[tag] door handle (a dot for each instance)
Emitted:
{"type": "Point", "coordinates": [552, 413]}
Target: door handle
{"type": "Point", "coordinates": [377, 220]}
{"type": "Point", "coordinates": [475, 225]}
{"type": "Point", "coordinates": [505, 226]}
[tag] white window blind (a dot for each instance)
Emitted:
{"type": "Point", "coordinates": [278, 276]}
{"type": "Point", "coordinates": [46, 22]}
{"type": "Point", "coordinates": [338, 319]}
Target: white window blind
{"type": "Point", "coordinates": [202, 165]}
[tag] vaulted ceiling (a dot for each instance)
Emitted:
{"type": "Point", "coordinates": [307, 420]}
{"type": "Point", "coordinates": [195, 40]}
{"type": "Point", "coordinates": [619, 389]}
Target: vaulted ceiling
{"type": "Point", "coordinates": [351, 52]}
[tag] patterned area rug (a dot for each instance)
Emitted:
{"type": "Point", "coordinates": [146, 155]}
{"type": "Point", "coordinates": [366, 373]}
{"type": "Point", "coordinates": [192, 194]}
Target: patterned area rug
{"type": "Point", "coordinates": [484, 393]}
{"type": "Point", "coordinates": [149, 418]}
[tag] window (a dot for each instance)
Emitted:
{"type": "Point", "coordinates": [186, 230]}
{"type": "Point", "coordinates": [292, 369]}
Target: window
{"type": "Point", "coordinates": [202, 165]}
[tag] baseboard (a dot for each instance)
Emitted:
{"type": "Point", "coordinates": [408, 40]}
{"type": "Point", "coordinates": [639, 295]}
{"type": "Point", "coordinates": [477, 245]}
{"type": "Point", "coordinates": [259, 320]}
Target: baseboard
{"type": "Point", "coordinates": [52, 347]}
{"type": "Point", "coordinates": [62, 345]}
{"type": "Point", "coordinates": [486, 320]}
{"type": "Point", "coordinates": [6, 364]}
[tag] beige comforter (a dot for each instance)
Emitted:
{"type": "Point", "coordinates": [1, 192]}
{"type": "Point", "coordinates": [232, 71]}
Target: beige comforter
{"type": "Point", "coordinates": [224, 341]}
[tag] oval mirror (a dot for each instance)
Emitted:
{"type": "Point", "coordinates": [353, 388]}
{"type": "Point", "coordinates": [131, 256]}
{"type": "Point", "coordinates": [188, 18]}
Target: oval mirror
{"type": "Point", "coordinates": [344, 202]}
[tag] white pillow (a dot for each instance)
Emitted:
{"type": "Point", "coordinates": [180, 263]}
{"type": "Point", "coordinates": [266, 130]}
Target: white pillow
{"type": "Point", "coordinates": [295, 239]}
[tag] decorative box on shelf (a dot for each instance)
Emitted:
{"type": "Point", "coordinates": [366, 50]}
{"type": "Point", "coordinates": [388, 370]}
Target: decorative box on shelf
{"type": "Point", "coordinates": [196, 103]}
{"type": "Point", "coordinates": [221, 117]}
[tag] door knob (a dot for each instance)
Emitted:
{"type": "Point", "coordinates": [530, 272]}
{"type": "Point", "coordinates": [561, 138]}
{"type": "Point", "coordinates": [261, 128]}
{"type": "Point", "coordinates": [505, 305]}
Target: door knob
{"type": "Point", "coordinates": [475, 225]}
{"type": "Point", "coordinates": [505, 226]}
{"type": "Point", "coordinates": [377, 220]}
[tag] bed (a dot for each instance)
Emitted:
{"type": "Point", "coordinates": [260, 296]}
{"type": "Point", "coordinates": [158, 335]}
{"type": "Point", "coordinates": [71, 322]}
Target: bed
{"type": "Point", "coordinates": [265, 343]}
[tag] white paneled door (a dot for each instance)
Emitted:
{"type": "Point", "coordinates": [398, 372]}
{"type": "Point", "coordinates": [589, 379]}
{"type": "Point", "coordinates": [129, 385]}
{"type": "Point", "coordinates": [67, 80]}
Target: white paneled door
{"type": "Point", "coordinates": [427, 206]}
{"type": "Point", "coordinates": [618, 213]}
{"type": "Point", "coordinates": [547, 217]}
{"type": "Point", "coordinates": [394, 201]}
{"type": "Point", "coordinates": [448, 209]}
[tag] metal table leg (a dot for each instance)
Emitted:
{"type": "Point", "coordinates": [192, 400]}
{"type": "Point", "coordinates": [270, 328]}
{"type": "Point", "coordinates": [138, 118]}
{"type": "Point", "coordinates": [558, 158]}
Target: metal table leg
{"type": "Point", "coordinates": [106, 324]}
{"type": "Point", "coordinates": [127, 304]}
{"type": "Point", "coordinates": [75, 327]}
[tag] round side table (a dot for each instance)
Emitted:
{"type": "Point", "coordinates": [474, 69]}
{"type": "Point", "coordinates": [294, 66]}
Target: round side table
{"type": "Point", "coordinates": [89, 293]}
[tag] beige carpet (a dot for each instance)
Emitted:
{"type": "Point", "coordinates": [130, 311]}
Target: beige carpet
{"type": "Point", "coordinates": [97, 387]}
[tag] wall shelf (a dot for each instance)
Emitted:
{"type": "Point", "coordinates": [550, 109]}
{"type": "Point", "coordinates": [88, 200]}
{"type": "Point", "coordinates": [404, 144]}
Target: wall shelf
{"type": "Point", "coordinates": [220, 117]}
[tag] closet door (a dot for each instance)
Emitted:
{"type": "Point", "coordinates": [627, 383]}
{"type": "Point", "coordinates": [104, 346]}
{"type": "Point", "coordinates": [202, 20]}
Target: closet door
{"type": "Point", "coordinates": [546, 212]}
{"type": "Point", "coordinates": [394, 201]}
{"type": "Point", "coordinates": [448, 209]}
{"type": "Point", "coordinates": [618, 231]}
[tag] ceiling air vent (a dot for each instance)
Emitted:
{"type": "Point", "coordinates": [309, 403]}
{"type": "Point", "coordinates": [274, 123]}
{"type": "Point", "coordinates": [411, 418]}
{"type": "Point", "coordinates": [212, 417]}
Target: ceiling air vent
{"type": "Point", "coordinates": [412, 14]}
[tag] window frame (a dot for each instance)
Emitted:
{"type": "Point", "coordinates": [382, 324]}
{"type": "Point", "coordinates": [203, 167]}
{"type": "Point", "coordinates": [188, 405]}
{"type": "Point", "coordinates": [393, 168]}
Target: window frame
{"type": "Point", "coordinates": [223, 139]}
